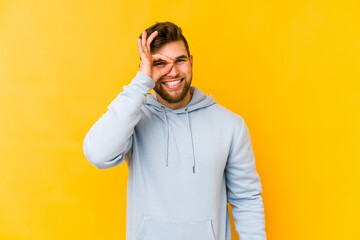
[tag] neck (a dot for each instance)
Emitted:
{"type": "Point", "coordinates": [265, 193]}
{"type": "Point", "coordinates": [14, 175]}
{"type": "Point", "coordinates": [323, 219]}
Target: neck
{"type": "Point", "coordinates": [175, 106]}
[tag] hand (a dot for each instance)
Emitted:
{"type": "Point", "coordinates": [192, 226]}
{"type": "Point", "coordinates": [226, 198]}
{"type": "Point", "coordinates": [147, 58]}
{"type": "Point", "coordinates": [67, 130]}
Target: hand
{"type": "Point", "coordinates": [147, 60]}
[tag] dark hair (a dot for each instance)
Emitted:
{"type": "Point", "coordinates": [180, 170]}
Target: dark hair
{"type": "Point", "coordinates": [167, 32]}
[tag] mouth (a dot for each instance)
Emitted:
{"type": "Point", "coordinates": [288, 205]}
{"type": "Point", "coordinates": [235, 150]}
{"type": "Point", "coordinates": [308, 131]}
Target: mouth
{"type": "Point", "coordinates": [172, 84]}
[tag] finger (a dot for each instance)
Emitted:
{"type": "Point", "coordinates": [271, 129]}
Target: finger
{"type": "Point", "coordinates": [150, 39]}
{"type": "Point", "coordinates": [169, 67]}
{"type": "Point", "coordinates": [165, 58]}
{"type": "Point", "coordinates": [139, 46]}
{"type": "Point", "coordinates": [140, 49]}
{"type": "Point", "coordinates": [143, 43]}
{"type": "Point", "coordinates": [163, 71]}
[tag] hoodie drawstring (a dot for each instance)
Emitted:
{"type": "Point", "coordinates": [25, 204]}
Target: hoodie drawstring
{"type": "Point", "coordinates": [167, 136]}
{"type": "Point", "coordinates": [192, 142]}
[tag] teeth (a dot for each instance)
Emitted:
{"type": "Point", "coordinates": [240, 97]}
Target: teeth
{"type": "Point", "coordinates": [173, 82]}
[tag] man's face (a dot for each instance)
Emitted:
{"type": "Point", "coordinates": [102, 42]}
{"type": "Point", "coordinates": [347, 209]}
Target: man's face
{"type": "Point", "coordinates": [175, 85]}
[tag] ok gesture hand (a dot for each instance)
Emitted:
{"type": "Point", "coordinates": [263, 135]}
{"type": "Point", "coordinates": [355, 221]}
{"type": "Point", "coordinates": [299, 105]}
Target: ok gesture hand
{"type": "Point", "coordinates": [147, 60]}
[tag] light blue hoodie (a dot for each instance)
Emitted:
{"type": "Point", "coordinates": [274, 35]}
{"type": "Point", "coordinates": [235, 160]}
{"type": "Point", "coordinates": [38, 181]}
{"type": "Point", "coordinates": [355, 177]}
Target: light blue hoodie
{"type": "Point", "coordinates": [184, 166]}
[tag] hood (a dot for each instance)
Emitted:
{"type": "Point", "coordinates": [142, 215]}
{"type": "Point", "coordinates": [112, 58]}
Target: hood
{"type": "Point", "coordinates": [199, 100]}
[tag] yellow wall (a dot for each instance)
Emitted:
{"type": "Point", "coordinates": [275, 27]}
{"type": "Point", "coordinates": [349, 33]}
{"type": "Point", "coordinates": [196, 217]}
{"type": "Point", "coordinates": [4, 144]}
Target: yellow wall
{"type": "Point", "coordinates": [290, 68]}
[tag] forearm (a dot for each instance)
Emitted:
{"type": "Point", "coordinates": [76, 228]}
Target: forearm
{"type": "Point", "coordinates": [248, 214]}
{"type": "Point", "coordinates": [108, 139]}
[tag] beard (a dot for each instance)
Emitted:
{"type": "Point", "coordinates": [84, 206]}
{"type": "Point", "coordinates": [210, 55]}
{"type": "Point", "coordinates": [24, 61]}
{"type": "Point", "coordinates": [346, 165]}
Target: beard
{"type": "Point", "coordinates": [160, 89]}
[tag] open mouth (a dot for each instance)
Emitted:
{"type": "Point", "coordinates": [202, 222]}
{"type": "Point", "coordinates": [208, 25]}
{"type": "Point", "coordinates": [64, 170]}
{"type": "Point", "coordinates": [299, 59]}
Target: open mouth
{"type": "Point", "coordinates": [173, 84]}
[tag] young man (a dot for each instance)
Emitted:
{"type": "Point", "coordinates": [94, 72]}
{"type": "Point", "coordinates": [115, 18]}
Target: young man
{"type": "Point", "coordinates": [187, 156]}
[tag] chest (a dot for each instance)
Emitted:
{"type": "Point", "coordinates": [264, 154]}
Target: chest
{"type": "Point", "coordinates": [183, 141]}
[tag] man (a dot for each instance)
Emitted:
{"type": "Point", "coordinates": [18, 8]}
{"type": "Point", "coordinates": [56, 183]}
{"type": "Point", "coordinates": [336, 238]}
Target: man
{"type": "Point", "coordinates": [187, 156]}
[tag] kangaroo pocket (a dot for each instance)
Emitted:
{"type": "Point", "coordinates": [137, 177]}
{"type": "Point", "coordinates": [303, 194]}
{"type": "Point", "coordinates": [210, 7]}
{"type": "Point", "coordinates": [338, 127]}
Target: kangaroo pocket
{"type": "Point", "coordinates": [154, 228]}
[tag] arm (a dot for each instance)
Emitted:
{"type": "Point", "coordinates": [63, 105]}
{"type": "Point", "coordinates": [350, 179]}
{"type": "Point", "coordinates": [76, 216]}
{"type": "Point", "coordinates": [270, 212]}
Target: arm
{"type": "Point", "coordinates": [244, 188]}
{"type": "Point", "coordinates": [110, 138]}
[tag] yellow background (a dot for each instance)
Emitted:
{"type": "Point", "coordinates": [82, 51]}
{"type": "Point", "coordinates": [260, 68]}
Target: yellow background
{"type": "Point", "coordinates": [291, 69]}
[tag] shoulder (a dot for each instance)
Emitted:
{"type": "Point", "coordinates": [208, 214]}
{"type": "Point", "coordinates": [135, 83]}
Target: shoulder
{"type": "Point", "coordinates": [229, 123]}
{"type": "Point", "coordinates": [226, 115]}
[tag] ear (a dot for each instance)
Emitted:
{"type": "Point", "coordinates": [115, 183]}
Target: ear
{"type": "Point", "coordinates": [191, 60]}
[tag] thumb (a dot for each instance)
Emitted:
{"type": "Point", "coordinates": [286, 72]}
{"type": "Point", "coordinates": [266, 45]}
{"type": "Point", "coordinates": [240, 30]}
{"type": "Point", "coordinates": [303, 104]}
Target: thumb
{"type": "Point", "coordinates": [166, 69]}
{"type": "Point", "coordinates": [162, 71]}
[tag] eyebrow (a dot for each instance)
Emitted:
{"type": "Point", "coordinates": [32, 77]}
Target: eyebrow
{"type": "Point", "coordinates": [182, 56]}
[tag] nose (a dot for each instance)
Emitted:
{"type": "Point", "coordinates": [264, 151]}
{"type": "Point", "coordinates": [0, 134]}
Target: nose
{"type": "Point", "coordinates": [174, 71]}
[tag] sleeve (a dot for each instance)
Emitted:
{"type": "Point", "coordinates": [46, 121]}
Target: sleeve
{"type": "Point", "coordinates": [244, 188]}
{"type": "Point", "coordinates": [110, 138]}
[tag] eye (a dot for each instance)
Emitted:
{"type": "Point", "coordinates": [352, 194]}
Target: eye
{"type": "Point", "coordinates": [180, 60]}
{"type": "Point", "coordinates": [159, 64]}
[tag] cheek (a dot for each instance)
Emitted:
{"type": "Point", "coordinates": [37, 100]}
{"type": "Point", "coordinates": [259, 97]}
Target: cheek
{"type": "Point", "coordinates": [156, 70]}
{"type": "Point", "coordinates": [186, 70]}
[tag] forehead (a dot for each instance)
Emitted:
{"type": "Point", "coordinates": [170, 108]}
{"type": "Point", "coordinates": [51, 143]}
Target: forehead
{"type": "Point", "coordinates": [172, 49]}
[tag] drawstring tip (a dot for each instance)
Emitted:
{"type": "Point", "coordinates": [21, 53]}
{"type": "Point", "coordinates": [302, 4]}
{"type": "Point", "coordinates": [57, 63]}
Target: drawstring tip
{"type": "Point", "coordinates": [194, 169]}
{"type": "Point", "coordinates": [166, 162]}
